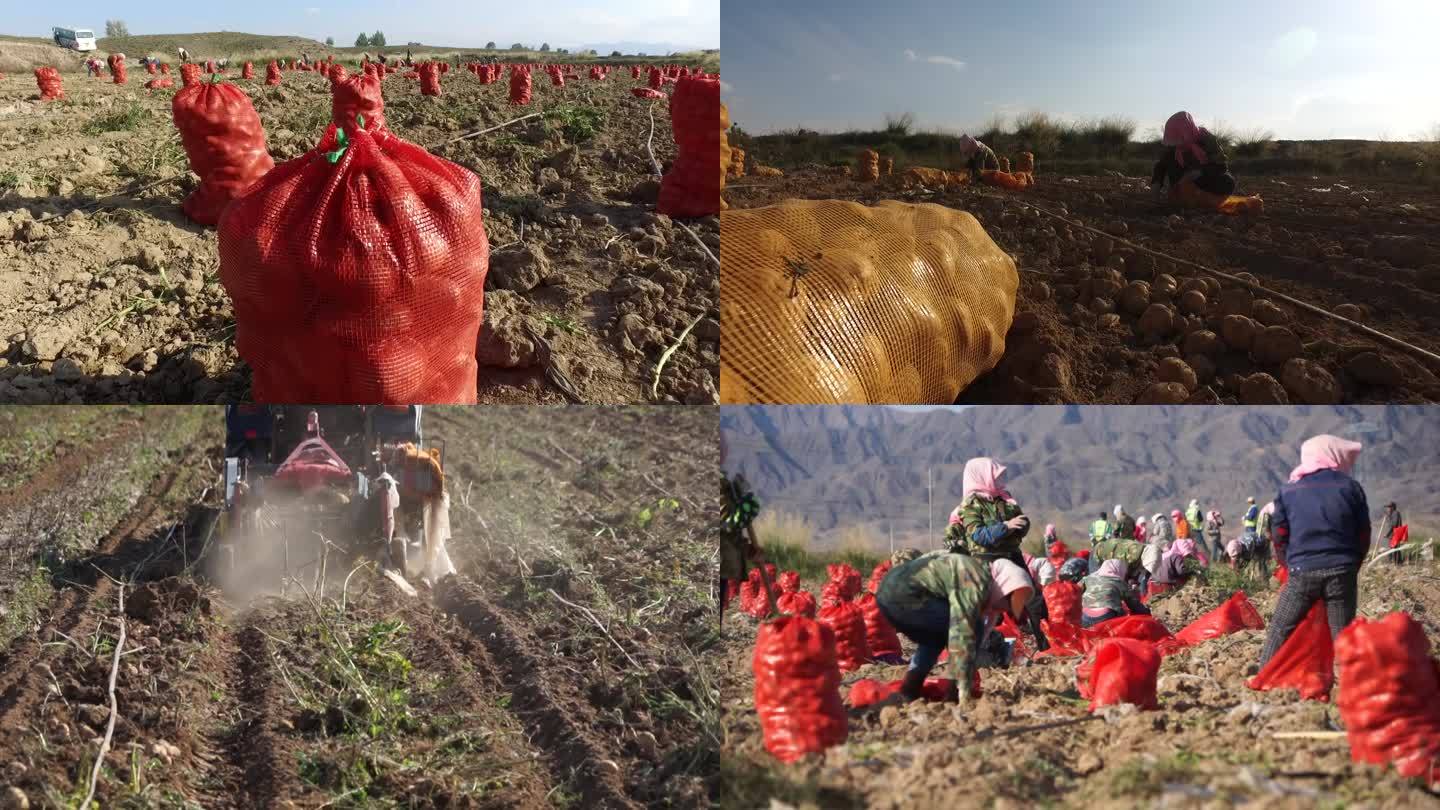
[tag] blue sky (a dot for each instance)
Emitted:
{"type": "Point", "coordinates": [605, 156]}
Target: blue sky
{"type": "Point", "coordinates": [680, 23]}
{"type": "Point", "coordinates": [1301, 68]}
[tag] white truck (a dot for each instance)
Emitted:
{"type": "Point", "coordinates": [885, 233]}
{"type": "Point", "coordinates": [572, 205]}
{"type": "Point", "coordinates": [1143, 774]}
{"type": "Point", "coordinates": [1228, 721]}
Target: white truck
{"type": "Point", "coordinates": [76, 39]}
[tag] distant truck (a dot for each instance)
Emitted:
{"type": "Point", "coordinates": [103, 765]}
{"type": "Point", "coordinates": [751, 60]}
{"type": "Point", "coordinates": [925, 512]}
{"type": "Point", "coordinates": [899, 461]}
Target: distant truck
{"type": "Point", "coordinates": [76, 39]}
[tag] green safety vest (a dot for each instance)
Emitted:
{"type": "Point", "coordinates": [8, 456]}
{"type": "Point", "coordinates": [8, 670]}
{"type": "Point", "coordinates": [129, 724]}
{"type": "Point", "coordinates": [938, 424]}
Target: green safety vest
{"type": "Point", "coordinates": [1099, 530]}
{"type": "Point", "coordinates": [1249, 521]}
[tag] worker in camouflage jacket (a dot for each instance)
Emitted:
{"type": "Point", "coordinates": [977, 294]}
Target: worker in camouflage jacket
{"type": "Point", "coordinates": [736, 549]}
{"type": "Point", "coordinates": [945, 600]}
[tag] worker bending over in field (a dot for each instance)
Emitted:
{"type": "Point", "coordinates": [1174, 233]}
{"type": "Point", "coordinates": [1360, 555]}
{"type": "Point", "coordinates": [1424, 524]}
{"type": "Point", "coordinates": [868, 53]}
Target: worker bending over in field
{"type": "Point", "coordinates": [1175, 568]}
{"type": "Point", "coordinates": [944, 599]}
{"type": "Point", "coordinates": [1075, 569]}
{"type": "Point", "coordinates": [1127, 551]}
{"type": "Point", "coordinates": [1107, 595]}
{"type": "Point", "coordinates": [184, 55]}
{"type": "Point", "coordinates": [1322, 532]}
{"type": "Point", "coordinates": [978, 157]}
{"type": "Point", "coordinates": [1191, 153]}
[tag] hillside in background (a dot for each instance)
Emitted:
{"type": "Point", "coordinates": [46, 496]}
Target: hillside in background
{"type": "Point", "coordinates": [846, 467]}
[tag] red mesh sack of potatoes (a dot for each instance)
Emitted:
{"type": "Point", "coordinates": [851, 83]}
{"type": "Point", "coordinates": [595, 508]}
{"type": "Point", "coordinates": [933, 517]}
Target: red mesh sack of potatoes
{"type": "Point", "coordinates": [210, 66]}
{"type": "Point", "coordinates": [645, 92]}
{"type": "Point", "coordinates": [1062, 602]}
{"type": "Point", "coordinates": [1122, 670]}
{"type": "Point", "coordinates": [357, 272]}
{"type": "Point", "coordinates": [830, 594]}
{"type": "Point", "coordinates": [692, 186]}
{"type": "Point", "coordinates": [1305, 662]}
{"type": "Point", "coordinates": [845, 618]}
{"type": "Point", "coordinates": [747, 595]}
{"type": "Point", "coordinates": [225, 143]}
{"type": "Point", "coordinates": [844, 575]}
{"type": "Point", "coordinates": [1234, 615]}
{"type": "Point", "coordinates": [1390, 695]}
{"type": "Point", "coordinates": [880, 637]}
{"type": "Point", "coordinates": [788, 582]}
{"type": "Point", "coordinates": [867, 691]}
{"type": "Point", "coordinates": [189, 74]}
{"type": "Point", "coordinates": [1057, 553]}
{"type": "Point", "coordinates": [1065, 639]}
{"type": "Point", "coordinates": [117, 68]}
{"type": "Point", "coordinates": [272, 74]}
{"type": "Point", "coordinates": [520, 85]}
{"type": "Point", "coordinates": [165, 68]}
{"type": "Point", "coordinates": [877, 576]}
{"type": "Point", "coordinates": [247, 70]}
{"type": "Point", "coordinates": [797, 603]}
{"type": "Point", "coordinates": [158, 84]}
{"type": "Point", "coordinates": [429, 79]}
{"type": "Point", "coordinates": [1140, 628]}
{"type": "Point", "coordinates": [358, 95]}
{"type": "Point", "coordinates": [48, 80]}
{"type": "Point", "coordinates": [657, 79]}
{"type": "Point", "coordinates": [150, 68]}
{"type": "Point", "coordinates": [336, 73]}
{"type": "Point", "coordinates": [797, 688]}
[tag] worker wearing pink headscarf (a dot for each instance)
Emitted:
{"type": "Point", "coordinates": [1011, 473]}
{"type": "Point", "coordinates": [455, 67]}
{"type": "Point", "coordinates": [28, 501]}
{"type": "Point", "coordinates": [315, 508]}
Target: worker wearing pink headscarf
{"type": "Point", "coordinates": [978, 157]}
{"type": "Point", "coordinates": [1108, 595]}
{"type": "Point", "coordinates": [988, 523]}
{"type": "Point", "coordinates": [1191, 153]}
{"type": "Point", "coordinates": [1321, 529]}
{"type": "Point", "coordinates": [1177, 565]}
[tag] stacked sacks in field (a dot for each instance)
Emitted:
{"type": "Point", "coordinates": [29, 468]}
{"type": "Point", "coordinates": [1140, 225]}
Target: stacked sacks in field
{"type": "Point", "coordinates": [867, 166]}
{"type": "Point", "coordinates": [224, 142]}
{"type": "Point", "coordinates": [520, 84]}
{"type": "Point", "coordinates": [357, 271]}
{"type": "Point", "coordinates": [846, 578]}
{"type": "Point", "coordinates": [797, 688]}
{"type": "Point", "coordinates": [48, 80]}
{"type": "Point", "coordinates": [117, 67]}
{"type": "Point", "coordinates": [693, 185]}
{"type": "Point", "coordinates": [881, 639]}
{"type": "Point", "coordinates": [429, 79]}
{"type": "Point", "coordinates": [1390, 695]}
{"type": "Point", "coordinates": [844, 617]}
{"type": "Point", "coordinates": [797, 603]}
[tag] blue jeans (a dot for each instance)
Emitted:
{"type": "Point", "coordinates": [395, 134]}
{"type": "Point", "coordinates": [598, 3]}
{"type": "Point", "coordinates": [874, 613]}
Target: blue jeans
{"type": "Point", "coordinates": [928, 625]}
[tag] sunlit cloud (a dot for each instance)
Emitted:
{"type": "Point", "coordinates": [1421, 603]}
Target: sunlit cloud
{"type": "Point", "coordinates": [945, 60]}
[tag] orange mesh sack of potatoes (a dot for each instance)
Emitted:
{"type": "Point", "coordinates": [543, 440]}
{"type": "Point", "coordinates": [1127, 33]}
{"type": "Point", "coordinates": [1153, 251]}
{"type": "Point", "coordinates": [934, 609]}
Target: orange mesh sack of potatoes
{"type": "Point", "coordinates": [766, 171]}
{"type": "Point", "coordinates": [829, 301]}
{"type": "Point", "coordinates": [725, 153]}
{"type": "Point", "coordinates": [887, 166]}
{"type": "Point", "coordinates": [1004, 179]}
{"type": "Point", "coordinates": [1025, 163]}
{"type": "Point", "coordinates": [1186, 193]}
{"type": "Point", "coordinates": [867, 166]}
{"type": "Point", "coordinates": [737, 162]}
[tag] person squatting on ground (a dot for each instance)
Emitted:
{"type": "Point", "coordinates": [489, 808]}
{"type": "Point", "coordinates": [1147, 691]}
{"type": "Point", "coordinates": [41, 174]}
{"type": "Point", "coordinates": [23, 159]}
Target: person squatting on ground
{"type": "Point", "coordinates": [1175, 567]}
{"type": "Point", "coordinates": [949, 600]}
{"type": "Point", "coordinates": [1107, 595]}
{"type": "Point", "coordinates": [1127, 551]}
{"type": "Point", "coordinates": [1388, 524]}
{"type": "Point", "coordinates": [978, 157]}
{"type": "Point", "coordinates": [1192, 153]}
{"type": "Point", "coordinates": [1322, 533]}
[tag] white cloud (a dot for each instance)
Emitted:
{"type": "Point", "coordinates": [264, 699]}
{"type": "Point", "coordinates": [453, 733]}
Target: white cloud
{"type": "Point", "coordinates": [910, 55]}
{"type": "Point", "coordinates": [945, 60]}
{"type": "Point", "coordinates": [312, 10]}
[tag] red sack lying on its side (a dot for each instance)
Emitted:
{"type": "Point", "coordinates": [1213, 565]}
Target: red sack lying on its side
{"type": "Point", "coordinates": [845, 575]}
{"type": "Point", "coordinates": [1065, 639]}
{"type": "Point", "coordinates": [1062, 602]}
{"type": "Point", "coordinates": [645, 92]}
{"type": "Point", "coordinates": [225, 142]}
{"type": "Point", "coordinates": [692, 186]}
{"type": "Point", "coordinates": [880, 636]}
{"type": "Point", "coordinates": [1306, 661]}
{"type": "Point", "coordinates": [1234, 615]}
{"type": "Point", "coordinates": [848, 623]}
{"type": "Point", "coordinates": [867, 691]}
{"type": "Point", "coordinates": [429, 79]}
{"type": "Point", "coordinates": [156, 84]}
{"type": "Point", "coordinates": [48, 80]}
{"type": "Point", "coordinates": [1122, 670]}
{"type": "Point", "coordinates": [1390, 695]}
{"type": "Point", "coordinates": [361, 279]}
{"type": "Point", "coordinates": [357, 95]}
{"type": "Point", "coordinates": [797, 603]}
{"type": "Point", "coordinates": [1140, 628]}
{"type": "Point", "coordinates": [877, 576]}
{"type": "Point", "coordinates": [797, 688]}
{"type": "Point", "coordinates": [520, 85]}
{"type": "Point", "coordinates": [272, 74]}
{"type": "Point", "coordinates": [247, 71]}
{"type": "Point", "coordinates": [788, 582]}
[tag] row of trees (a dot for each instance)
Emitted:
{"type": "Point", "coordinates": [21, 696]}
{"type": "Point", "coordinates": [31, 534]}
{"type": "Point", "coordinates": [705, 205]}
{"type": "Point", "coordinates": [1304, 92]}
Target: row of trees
{"type": "Point", "coordinates": [375, 40]}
